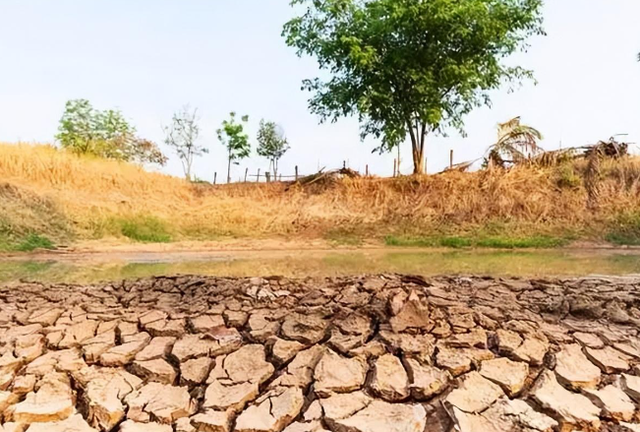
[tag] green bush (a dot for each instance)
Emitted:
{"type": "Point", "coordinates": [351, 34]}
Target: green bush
{"type": "Point", "coordinates": [409, 241]}
{"type": "Point", "coordinates": [533, 242]}
{"type": "Point", "coordinates": [28, 243]}
{"type": "Point", "coordinates": [34, 241]}
{"type": "Point", "coordinates": [497, 242]}
{"type": "Point", "coordinates": [144, 229]}
{"type": "Point", "coordinates": [567, 178]}
{"type": "Point", "coordinates": [626, 231]}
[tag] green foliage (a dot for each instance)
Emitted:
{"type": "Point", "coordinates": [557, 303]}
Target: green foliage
{"type": "Point", "coordinates": [34, 241]}
{"type": "Point", "coordinates": [427, 242]}
{"type": "Point", "coordinates": [410, 241]}
{"type": "Point", "coordinates": [567, 177]}
{"type": "Point", "coordinates": [78, 128]}
{"type": "Point", "coordinates": [494, 242]}
{"type": "Point", "coordinates": [410, 67]}
{"type": "Point", "coordinates": [236, 141]}
{"type": "Point", "coordinates": [271, 144]}
{"type": "Point", "coordinates": [144, 229]}
{"type": "Point", "coordinates": [532, 242]}
{"type": "Point", "coordinates": [105, 134]}
{"type": "Point", "coordinates": [626, 230]}
{"type": "Point", "coordinates": [182, 135]}
{"type": "Point", "coordinates": [28, 243]}
{"type": "Point", "coordinates": [141, 228]}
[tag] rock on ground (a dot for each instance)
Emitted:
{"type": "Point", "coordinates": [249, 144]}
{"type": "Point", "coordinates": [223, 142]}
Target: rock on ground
{"type": "Point", "coordinates": [475, 394]}
{"type": "Point", "coordinates": [381, 416]}
{"type": "Point", "coordinates": [574, 369]}
{"type": "Point", "coordinates": [572, 408]}
{"type": "Point", "coordinates": [390, 380]}
{"type": "Point", "coordinates": [337, 374]}
{"type": "Point", "coordinates": [509, 375]}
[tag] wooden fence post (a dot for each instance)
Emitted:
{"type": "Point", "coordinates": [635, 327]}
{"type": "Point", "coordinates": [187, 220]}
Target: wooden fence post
{"type": "Point", "coordinates": [268, 175]}
{"type": "Point", "coordinates": [344, 164]}
{"type": "Point", "coordinates": [215, 177]}
{"type": "Point", "coordinates": [451, 159]}
{"type": "Point", "coordinates": [246, 172]}
{"type": "Point", "coordinates": [258, 176]}
{"type": "Point", "coordinates": [296, 172]}
{"type": "Point", "coordinates": [366, 170]}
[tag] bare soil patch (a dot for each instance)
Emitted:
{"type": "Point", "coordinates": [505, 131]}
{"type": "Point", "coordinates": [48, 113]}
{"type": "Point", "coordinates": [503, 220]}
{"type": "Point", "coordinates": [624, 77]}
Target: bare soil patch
{"type": "Point", "coordinates": [368, 354]}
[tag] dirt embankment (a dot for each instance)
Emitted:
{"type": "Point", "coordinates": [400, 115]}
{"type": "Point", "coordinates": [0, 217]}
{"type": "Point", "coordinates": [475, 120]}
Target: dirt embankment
{"type": "Point", "coordinates": [53, 198]}
{"type": "Point", "coordinates": [367, 354]}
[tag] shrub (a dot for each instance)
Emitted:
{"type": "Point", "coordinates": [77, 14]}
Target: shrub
{"type": "Point", "coordinates": [626, 230]}
{"type": "Point", "coordinates": [34, 241]}
{"type": "Point", "coordinates": [144, 229]}
{"type": "Point", "coordinates": [567, 178]}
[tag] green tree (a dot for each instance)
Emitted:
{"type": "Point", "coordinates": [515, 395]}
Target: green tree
{"type": "Point", "coordinates": [182, 136]}
{"type": "Point", "coordinates": [105, 134]}
{"type": "Point", "coordinates": [410, 67]}
{"type": "Point", "coordinates": [114, 136]}
{"type": "Point", "coordinates": [271, 144]}
{"type": "Point", "coordinates": [236, 141]}
{"type": "Point", "coordinates": [78, 127]}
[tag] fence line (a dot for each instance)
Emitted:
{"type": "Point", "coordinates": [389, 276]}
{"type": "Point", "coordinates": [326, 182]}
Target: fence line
{"type": "Point", "coordinates": [269, 177]}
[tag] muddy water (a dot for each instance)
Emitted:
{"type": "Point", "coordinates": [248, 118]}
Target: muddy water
{"type": "Point", "coordinates": [103, 267]}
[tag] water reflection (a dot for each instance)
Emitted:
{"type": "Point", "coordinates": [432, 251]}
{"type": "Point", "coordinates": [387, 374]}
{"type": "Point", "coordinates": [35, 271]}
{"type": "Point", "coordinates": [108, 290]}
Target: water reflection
{"type": "Point", "coordinates": [327, 263]}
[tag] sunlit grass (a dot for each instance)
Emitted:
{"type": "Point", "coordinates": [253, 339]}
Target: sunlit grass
{"type": "Point", "coordinates": [495, 242]}
{"type": "Point", "coordinates": [64, 197]}
{"type": "Point", "coordinates": [626, 230]}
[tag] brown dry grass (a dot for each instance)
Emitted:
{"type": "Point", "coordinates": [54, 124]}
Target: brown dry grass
{"type": "Point", "coordinates": [98, 196]}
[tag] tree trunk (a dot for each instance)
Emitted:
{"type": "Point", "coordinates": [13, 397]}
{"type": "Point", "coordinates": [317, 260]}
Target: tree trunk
{"type": "Point", "coordinates": [186, 169]}
{"type": "Point", "coordinates": [186, 164]}
{"type": "Point", "coordinates": [418, 136]}
{"type": "Point", "coordinates": [418, 162]}
{"type": "Point", "coordinates": [229, 169]}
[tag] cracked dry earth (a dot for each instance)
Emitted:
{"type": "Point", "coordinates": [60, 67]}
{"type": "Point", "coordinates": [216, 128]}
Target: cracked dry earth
{"type": "Point", "coordinates": [372, 354]}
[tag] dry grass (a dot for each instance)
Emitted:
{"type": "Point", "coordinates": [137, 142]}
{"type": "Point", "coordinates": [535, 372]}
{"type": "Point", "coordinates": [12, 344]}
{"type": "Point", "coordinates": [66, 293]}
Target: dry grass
{"type": "Point", "coordinates": [101, 198]}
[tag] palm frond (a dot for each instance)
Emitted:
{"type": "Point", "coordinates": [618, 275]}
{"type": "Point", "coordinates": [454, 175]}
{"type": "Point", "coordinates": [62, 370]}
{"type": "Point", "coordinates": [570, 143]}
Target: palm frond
{"type": "Point", "coordinates": [516, 142]}
{"type": "Point", "coordinates": [508, 126]}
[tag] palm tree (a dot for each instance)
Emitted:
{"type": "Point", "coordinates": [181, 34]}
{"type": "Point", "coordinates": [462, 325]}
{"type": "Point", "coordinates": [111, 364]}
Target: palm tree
{"type": "Point", "coordinates": [517, 143]}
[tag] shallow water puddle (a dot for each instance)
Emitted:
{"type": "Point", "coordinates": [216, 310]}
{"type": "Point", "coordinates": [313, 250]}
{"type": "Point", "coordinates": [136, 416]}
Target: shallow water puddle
{"type": "Point", "coordinates": [88, 268]}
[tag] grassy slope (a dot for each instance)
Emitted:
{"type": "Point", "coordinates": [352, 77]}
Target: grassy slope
{"type": "Point", "coordinates": [50, 195]}
{"type": "Point", "coordinates": [29, 221]}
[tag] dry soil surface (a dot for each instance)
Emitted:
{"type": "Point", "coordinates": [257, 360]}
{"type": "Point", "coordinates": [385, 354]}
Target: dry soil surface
{"type": "Point", "coordinates": [384, 353]}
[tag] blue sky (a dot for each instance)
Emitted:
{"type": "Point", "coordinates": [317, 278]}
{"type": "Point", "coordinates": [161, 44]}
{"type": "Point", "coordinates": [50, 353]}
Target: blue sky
{"type": "Point", "coordinates": [150, 57]}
